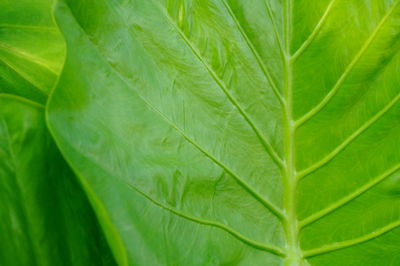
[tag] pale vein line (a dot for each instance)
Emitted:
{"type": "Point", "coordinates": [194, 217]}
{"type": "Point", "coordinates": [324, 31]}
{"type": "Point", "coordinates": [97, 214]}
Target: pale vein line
{"type": "Point", "coordinates": [290, 224]}
{"type": "Point", "coordinates": [348, 70]}
{"type": "Point", "coordinates": [315, 32]}
{"type": "Point", "coordinates": [22, 99]}
{"type": "Point", "coordinates": [349, 140]}
{"type": "Point", "coordinates": [279, 41]}
{"type": "Point", "coordinates": [38, 28]}
{"type": "Point", "coordinates": [266, 203]}
{"type": "Point", "coordinates": [275, 157]}
{"type": "Point", "coordinates": [288, 28]}
{"type": "Point", "coordinates": [255, 53]}
{"type": "Point", "coordinates": [351, 242]}
{"type": "Point", "coordinates": [239, 236]}
{"type": "Point", "coordinates": [27, 56]}
{"type": "Point", "coordinates": [38, 88]}
{"type": "Point", "coordinates": [347, 199]}
{"type": "Point", "coordinates": [256, 244]}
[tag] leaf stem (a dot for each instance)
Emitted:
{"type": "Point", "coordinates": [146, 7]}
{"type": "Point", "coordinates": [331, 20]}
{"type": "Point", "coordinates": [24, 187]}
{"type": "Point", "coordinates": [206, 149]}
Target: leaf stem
{"type": "Point", "coordinates": [294, 254]}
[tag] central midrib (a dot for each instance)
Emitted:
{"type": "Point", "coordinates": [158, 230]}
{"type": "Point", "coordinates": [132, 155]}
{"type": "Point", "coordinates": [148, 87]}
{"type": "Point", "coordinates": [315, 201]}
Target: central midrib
{"type": "Point", "coordinates": [294, 255]}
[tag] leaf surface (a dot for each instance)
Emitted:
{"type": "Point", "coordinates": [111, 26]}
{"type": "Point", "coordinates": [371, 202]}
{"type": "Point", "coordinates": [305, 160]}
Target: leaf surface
{"type": "Point", "coordinates": [31, 48]}
{"type": "Point", "coordinates": [233, 132]}
{"type": "Point", "coordinates": [45, 217]}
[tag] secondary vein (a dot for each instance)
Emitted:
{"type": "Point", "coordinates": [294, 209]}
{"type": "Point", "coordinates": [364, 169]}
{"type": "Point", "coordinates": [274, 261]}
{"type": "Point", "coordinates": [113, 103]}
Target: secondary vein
{"type": "Point", "coordinates": [27, 56]}
{"type": "Point", "coordinates": [349, 198]}
{"type": "Point", "coordinates": [22, 99]}
{"type": "Point", "coordinates": [266, 203]}
{"type": "Point", "coordinates": [278, 39]}
{"type": "Point", "coordinates": [255, 53]}
{"type": "Point", "coordinates": [352, 242]}
{"type": "Point", "coordinates": [335, 152]}
{"type": "Point", "coordinates": [36, 86]}
{"type": "Point", "coordinates": [239, 236]}
{"type": "Point", "coordinates": [315, 32]}
{"type": "Point", "coordinates": [268, 147]}
{"type": "Point", "coordinates": [31, 27]}
{"type": "Point", "coordinates": [348, 70]}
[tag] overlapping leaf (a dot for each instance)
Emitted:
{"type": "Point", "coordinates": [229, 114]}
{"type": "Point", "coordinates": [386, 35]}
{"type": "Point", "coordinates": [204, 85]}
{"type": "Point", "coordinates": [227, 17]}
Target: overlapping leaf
{"type": "Point", "coordinates": [45, 217]}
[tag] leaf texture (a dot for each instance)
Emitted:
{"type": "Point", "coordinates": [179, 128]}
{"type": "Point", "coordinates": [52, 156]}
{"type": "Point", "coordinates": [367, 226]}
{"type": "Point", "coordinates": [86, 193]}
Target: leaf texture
{"type": "Point", "coordinates": [45, 218]}
{"type": "Point", "coordinates": [233, 132]}
{"type": "Point", "coordinates": [31, 48]}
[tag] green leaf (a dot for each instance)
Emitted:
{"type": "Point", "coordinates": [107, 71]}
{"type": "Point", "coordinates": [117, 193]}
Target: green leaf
{"type": "Point", "coordinates": [45, 217]}
{"type": "Point", "coordinates": [31, 48]}
{"type": "Point", "coordinates": [235, 132]}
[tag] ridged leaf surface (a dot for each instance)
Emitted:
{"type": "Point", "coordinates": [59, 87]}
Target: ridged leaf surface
{"type": "Point", "coordinates": [235, 132]}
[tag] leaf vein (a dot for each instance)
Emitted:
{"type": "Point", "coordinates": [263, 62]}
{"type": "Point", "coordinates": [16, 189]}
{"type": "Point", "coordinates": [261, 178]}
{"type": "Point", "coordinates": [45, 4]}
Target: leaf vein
{"type": "Point", "coordinates": [268, 147]}
{"type": "Point", "coordinates": [275, 28]}
{"type": "Point", "coordinates": [38, 88]}
{"type": "Point", "coordinates": [348, 70]}
{"type": "Point", "coordinates": [22, 99]}
{"type": "Point", "coordinates": [255, 53]}
{"type": "Point", "coordinates": [237, 235]}
{"type": "Point", "coordinates": [351, 242]}
{"type": "Point", "coordinates": [349, 140]}
{"type": "Point", "coordinates": [27, 56]}
{"type": "Point", "coordinates": [266, 203]}
{"type": "Point", "coordinates": [349, 198]}
{"type": "Point", "coordinates": [39, 28]}
{"type": "Point", "coordinates": [315, 31]}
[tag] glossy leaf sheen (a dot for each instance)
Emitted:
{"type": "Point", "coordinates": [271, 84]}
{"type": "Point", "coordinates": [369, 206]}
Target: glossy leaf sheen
{"type": "Point", "coordinates": [235, 132]}
{"type": "Point", "coordinates": [45, 218]}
